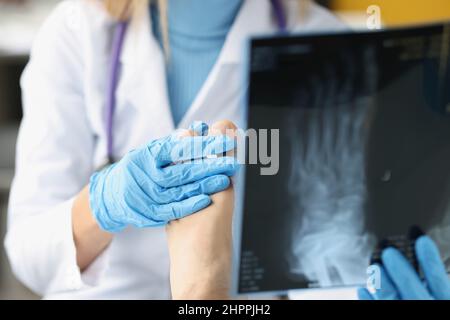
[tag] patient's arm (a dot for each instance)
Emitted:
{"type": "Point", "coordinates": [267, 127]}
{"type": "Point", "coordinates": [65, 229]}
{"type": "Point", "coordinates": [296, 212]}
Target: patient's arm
{"type": "Point", "coordinates": [200, 246]}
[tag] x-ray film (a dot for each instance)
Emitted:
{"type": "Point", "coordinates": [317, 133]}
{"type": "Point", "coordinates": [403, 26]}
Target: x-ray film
{"type": "Point", "coordinates": [364, 129]}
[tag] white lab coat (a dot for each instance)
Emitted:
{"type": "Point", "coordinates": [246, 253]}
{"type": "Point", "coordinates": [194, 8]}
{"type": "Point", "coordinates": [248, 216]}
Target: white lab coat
{"type": "Point", "coordinates": [62, 141]}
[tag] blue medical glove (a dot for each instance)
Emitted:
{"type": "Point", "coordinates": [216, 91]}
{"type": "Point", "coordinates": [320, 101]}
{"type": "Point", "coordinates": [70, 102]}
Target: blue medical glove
{"type": "Point", "coordinates": [399, 280]}
{"type": "Point", "coordinates": [158, 183]}
{"type": "Point", "coordinates": [200, 128]}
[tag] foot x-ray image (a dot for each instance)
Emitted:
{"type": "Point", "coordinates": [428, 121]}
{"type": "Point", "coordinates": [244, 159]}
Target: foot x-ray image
{"type": "Point", "coordinates": [364, 122]}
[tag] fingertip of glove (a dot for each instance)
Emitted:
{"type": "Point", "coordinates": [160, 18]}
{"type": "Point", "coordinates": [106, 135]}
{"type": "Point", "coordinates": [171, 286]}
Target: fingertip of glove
{"type": "Point", "coordinates": [223, 181]}
{"type": "Point", "coordinates": [199, 127]}
{"type": "Point", "coordinates": [203, 201]}
{"type": "Point", "coordinates": [220, 178]}
{"type": "Point", "coordinates": [425, 246]}
{"type": "Point", "coordinates": [424, 241]}
{"type": "Point", "coordinates": [216, 184]}
{"type": "Point", "coordinates": [390, 254]}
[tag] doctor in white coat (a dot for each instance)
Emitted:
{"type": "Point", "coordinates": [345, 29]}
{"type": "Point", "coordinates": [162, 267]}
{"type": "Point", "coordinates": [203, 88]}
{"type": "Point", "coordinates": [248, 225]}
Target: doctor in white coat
{"type": "Point", "coordinates": [63, 139]}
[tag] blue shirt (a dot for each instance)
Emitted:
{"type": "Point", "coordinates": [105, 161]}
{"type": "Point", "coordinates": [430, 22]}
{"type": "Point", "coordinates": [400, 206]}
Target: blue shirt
{"type": "Point", "coordinates": [197, 33]}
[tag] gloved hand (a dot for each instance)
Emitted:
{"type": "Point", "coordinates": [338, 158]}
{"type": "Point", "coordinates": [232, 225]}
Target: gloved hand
{"type": "Point", "coordinates": [399, 280]}
{"type": "Point", "coordinates": [158, 183]}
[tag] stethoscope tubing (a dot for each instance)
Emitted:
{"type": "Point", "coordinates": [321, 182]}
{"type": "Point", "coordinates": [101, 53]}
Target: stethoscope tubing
{"type": "Point", "coordinates": [280, 15]}
{"type": "Point", "coordinates": [118, 40]}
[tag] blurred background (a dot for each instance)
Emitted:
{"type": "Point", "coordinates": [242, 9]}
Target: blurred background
{"type": "Point", "coordinates": [19, 22]}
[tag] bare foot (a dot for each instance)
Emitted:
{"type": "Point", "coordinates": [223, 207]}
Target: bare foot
{"type": "Point", "coordinates": [200, 245]}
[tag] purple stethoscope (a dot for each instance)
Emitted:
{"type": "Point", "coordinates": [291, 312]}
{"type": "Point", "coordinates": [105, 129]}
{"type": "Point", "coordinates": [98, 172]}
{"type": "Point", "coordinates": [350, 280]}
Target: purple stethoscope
{"type": "Point", "coordinates": [117, 46]}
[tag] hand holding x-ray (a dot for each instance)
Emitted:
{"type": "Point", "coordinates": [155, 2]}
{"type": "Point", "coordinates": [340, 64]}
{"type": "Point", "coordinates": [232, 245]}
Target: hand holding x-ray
{"type": "Point", "coordinates": [399, 280]}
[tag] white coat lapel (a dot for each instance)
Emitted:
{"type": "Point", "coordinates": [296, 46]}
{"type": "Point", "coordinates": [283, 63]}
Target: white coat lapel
{"type": "Point", "coordinates": [143, 85]}
{"type": "Point", "coordinates": [143, 81]}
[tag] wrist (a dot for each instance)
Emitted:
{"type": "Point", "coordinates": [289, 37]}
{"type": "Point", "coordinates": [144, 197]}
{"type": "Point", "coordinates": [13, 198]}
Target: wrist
{"type": "Point", "coordinates": [98, 205]}
{"type": "Point", "coordinates": [88, 237]}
